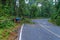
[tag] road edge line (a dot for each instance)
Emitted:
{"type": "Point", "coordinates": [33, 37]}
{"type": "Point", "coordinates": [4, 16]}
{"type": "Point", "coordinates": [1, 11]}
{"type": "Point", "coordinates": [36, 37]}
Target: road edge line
{"type": "Point", "coordinates": [20, 33]}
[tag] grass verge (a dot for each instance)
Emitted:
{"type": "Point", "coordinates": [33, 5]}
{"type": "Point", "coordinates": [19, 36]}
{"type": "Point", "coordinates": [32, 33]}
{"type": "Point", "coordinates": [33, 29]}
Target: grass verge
{"type": "Point", "coordinates": [9, 29]}
{"type": "Point", "coordinates": [56, 22]}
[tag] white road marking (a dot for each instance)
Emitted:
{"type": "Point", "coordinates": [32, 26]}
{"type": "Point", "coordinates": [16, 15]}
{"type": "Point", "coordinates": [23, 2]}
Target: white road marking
{"type": "Point", "coordinates": [21, 32]}
{"type": "Point", "coordinates": [48, 30]}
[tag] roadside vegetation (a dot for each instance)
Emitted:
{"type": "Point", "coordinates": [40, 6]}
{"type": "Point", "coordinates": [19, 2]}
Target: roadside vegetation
{"type": "Point", "coordinates": [26, 11]}
{"type": "Point", "coordinates": [55, 17]}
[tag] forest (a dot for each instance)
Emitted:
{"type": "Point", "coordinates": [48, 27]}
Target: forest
{"type": "Point", "coordinates": [31, 9]}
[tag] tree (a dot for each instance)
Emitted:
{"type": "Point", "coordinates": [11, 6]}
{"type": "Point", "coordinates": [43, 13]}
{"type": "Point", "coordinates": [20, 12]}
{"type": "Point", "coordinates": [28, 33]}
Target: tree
{"type": "Point", "coordinates": [21, 7]}
{"type": "Point", "coordinates": [46, 8]}
{"type": "Point", "coordinates": [34, 11]}
{"type": "Point", "coordinates": [8, 7]}
{"type": "Point", "coordinates": [56, 16]}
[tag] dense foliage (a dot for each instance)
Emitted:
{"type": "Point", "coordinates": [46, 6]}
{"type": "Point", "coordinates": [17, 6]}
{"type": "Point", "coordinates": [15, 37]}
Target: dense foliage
{"type": "Point", "coordinates": [56, 15]}
{"type": "Point", "coordinates": [6, 11]}
{"type": "Point", "coordinates": [6, 24]}
{"type": "Point", "coordinates": [9, 10]}
{"type": "Point", "coordinates": [34, 11]}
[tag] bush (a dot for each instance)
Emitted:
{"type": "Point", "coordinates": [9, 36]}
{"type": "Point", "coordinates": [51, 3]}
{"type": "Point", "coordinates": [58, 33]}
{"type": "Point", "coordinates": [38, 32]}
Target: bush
{"type": "Point", "coordinates": [34, 11]}
{"type": "Point", "coordinates": [58, 21]}
{"type": "Point", "coordinates": [55, 19]}
{"type": "Point", "coordinates": [6, 24]}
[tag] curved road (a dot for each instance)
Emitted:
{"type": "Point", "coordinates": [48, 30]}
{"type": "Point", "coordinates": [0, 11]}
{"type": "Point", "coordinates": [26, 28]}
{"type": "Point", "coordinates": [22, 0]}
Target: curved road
{"type": "Point", "coordinates": [41, 30]}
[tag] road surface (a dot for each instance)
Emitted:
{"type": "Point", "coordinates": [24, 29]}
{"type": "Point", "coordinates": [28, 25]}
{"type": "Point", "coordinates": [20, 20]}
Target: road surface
{"type": "Point", "coordinates": [41, 30]}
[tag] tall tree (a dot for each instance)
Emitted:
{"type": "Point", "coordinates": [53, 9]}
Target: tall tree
{"type": "Point", "coordinates": [21, 7]}
{"type": "Point", "coordinates": [46, 8]}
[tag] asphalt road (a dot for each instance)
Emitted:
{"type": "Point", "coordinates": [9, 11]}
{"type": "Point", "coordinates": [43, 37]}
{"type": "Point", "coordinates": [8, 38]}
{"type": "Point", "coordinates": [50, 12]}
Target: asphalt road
{"type": "Point", "coordinates": [41, 30]}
